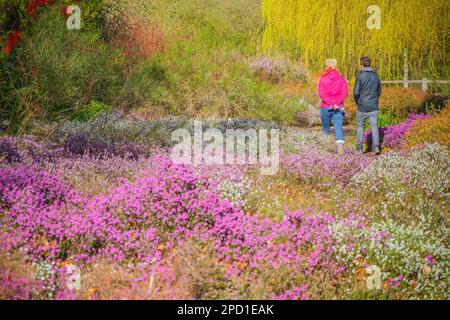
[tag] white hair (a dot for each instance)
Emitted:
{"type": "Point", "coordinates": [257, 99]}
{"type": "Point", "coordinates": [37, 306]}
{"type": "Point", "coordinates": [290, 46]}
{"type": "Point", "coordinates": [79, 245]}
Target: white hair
{"type": "Point", "coordinates": [331, 63]}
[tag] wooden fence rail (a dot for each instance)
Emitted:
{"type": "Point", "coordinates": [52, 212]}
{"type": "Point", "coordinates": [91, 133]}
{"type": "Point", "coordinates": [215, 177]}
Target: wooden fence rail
{"type": "Point", "coordinates": [423, 82]}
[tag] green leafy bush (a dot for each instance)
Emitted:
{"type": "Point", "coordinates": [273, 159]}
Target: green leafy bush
{"type": "Point", "coordinates": [54, 71]}
{"type": "Point", "coordinates": [90, 111]}
{"type": "Point", "coordinates": [387, 119]}
{"type": "Point", "coordinates": [12, 14]}
{"type": "Point", "coordinates": [71, 67]}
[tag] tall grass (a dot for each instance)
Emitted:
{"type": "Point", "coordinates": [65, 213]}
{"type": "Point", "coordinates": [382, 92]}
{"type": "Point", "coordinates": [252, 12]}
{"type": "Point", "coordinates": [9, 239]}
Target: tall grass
{"type": "Point", "coordinates": [206, 62]}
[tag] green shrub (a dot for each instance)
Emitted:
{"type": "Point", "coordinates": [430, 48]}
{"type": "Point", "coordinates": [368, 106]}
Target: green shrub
{"type": "Point", "coordinates": [54, 71]}
{"type": "Point", "coordinates": [90, 111]}
{"type": "Point", "coordinates": [12, 14]}
{"type": "Point", "coordinates": [71, 67]}
{"type": "Point", "coordinates": [387, 119]}
{"type": "Point", "coordinates": [91, 17]}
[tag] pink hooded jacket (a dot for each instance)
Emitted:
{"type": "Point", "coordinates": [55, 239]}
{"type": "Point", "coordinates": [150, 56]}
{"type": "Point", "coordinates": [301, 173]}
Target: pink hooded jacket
{"type": "Point", "coordinates": [332, 89]}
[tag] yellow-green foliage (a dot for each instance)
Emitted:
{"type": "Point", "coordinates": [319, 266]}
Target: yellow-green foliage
{"type": "Point", "coordinates": [433, 129]}
{"type": "Point", "coordinates": [320, 29]}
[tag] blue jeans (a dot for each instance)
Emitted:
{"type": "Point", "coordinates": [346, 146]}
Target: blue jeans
{"type": "Point", "coordinates": [361, 118]}
{"type": "Point", "coordinates": [337, 116]}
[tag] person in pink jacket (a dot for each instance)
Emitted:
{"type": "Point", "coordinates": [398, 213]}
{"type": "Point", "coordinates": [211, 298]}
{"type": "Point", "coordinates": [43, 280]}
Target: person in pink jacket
{"type": "Point", "coordinates": [333, 90]}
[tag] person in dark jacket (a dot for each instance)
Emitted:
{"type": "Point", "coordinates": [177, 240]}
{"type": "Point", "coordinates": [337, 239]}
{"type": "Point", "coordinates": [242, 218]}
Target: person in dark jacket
{"type": "Point", "coordinates": [366, 93]}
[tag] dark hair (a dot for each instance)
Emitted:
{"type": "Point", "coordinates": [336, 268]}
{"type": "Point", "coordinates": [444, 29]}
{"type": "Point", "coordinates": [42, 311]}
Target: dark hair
{"type": "Point", "coordinates": [365, 62]}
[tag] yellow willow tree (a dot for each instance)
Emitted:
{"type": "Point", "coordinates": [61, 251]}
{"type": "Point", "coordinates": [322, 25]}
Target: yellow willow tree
{"type": "Point", "coordinates": [320, 29]}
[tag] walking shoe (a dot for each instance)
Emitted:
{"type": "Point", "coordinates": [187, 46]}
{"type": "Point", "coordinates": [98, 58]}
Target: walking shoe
{"type": "Point", "coordinates": [340, 147]}
{"type": "Point", "coordinates": [377, 151]}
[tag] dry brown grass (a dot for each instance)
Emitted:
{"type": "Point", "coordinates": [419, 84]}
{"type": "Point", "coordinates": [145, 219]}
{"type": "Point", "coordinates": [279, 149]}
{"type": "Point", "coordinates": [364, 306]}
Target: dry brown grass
{"type": "Point", "coordinates": [15, 279]}
{"type": "Point", "coordinates": [188, 272]}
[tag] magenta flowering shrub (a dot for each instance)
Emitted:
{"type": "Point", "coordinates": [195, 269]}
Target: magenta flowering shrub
{"type": "Point", "coordinates": [28, 149]}
{"type": "Point", "coordinates": [300, 241]}
{"type": "Point", "coordinates": [297, 293]}
{"type": "Point", "coordinates": [81, 144]}
{"type": "Point", "coordinates": [41, 214]}
{"type": "Point", "coordinates": [167, 205]}
{"type": "Point", "coordinates": [392, 136]}
{"type": "Point", "coordinates": [26, 187]}
{"type": "Point", "coordinates": [8, 151]}
{"type": "Point", "coordinates": [48, 220]}
{"type": "Point", "coordinates": [321, 168]}
{"type": "Point", "coordinates": [151, 208]}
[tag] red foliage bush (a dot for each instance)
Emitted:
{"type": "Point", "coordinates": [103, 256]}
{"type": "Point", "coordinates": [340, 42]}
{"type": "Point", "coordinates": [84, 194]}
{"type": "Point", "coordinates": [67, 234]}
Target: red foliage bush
{"type": "Point", "coordinates": [142, 39]}
{"type": "Point", "coordinates": [34, 4]}
{"type": "Point", "coordinates": [31, 9]}
{"type": "Point", "coordinates": [11, 41]}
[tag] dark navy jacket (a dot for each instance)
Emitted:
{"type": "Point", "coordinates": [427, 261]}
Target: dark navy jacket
{"type": "Point", "coordinates": [367, 90]}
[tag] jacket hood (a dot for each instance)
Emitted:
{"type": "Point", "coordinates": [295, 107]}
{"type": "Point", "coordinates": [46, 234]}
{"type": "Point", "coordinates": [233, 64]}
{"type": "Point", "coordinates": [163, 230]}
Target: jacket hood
{"type": "Point", "coordinates": [332, 88]}
{"type": "Point", "coordinates": [332, 80]}
{"type": "Point", "coordinates": [331, 74]}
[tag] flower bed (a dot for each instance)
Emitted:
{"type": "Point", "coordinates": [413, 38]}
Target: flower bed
{"type": "Point", "coordinates": [393, 136]}
{"type": "Point", "coordinates": [147, 209]}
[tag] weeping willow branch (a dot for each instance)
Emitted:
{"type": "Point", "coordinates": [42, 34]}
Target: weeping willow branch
{"type": "Point", "coordinates": [320, 29]}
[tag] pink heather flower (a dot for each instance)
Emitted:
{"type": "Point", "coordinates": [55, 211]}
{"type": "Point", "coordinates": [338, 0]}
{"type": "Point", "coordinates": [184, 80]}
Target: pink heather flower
{"type": "Point", "coordinates": [297, 293]}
